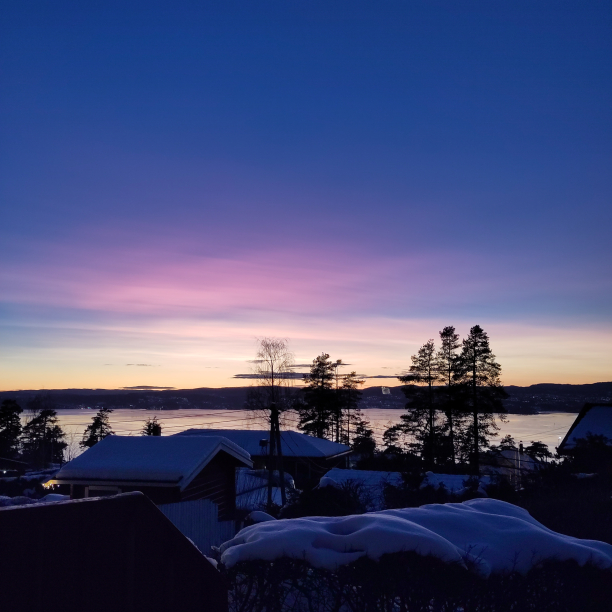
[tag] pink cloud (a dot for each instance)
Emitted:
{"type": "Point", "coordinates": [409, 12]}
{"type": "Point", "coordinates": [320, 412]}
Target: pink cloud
{"type": "Point", "coordinates": [156, 282]}
{"type": "Point", "coordinates": [178, 278]}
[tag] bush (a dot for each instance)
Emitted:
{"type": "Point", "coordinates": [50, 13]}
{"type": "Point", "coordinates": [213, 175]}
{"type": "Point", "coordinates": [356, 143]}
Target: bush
{"type": "Point", "coordinates": [412, 583]}
{"type": "Point", "coordinates": [346, 499]}
{"type": "Point", "coordinates": [564, 502]}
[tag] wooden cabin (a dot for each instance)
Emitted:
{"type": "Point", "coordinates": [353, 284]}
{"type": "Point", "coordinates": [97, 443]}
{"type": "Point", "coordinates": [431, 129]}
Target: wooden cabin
{"type": "Point", "coordinates": [167, 469]}
{"type": "Point", "coordinates": [306, 458]}
{"type": "Point", "coordinates": [116, 553]}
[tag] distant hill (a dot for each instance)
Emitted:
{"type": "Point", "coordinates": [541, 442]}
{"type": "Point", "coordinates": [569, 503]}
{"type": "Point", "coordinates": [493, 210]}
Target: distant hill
{"type": "Point", "coordinates": [543, 397]}
{"type": "Point", "coordinates": [522, 400]}
{"type": "Point", "coordinates": [551, 397]}
{"type": "Point", "coordinates": [224, 398]}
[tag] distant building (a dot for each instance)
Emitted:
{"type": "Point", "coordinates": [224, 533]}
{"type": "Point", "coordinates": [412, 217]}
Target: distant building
{"type": "Point", "coordinates": [304, 457]}
{"type": "Point", "coordinates": [168, 469]}
{"type": "Point", "coordinates": [595, 419]}
{"type": "Point", "coordinates": [511, 463]}
{"type": "Point", "coordinates": [116, 553]}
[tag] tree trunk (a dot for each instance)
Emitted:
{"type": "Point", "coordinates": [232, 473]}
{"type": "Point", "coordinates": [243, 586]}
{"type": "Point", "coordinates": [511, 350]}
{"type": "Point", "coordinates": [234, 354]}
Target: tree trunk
{"type": "Point", "coordinates": [450, 417]}
{"type": "Point", "coordinates": [475, 408]}
{"type": "Point", "coordinates": [451, 435]}
{"type": "Point", "coordinates": [432, 416]}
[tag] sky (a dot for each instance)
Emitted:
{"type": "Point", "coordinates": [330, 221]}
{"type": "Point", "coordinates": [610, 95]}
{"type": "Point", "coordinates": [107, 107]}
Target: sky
{"type": "Point", "coordinates": [178, 179]}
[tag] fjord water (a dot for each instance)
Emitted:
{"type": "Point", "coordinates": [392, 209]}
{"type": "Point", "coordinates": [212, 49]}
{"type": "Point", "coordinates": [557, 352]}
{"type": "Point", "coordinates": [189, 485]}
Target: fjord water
{"type": "Point", "coordinates": [547, 427]}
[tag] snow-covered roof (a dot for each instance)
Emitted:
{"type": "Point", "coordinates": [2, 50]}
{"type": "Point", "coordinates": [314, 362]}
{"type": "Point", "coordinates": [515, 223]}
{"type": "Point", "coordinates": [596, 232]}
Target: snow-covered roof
{"type": "Point", "coordinates": [456, 484]}
{"type": "Point", "coordinates": [372, 484]}
{"type": "Point", "coordinates": [369, 478]}
{"type": "Point", "coordinates": [293, 443]}
{"type": "Point", "coordinates": [594, 419]}
{"type": "Point", "coordinates": [149, 459]}
{"type": "Point", "coordinates": [488, 534]}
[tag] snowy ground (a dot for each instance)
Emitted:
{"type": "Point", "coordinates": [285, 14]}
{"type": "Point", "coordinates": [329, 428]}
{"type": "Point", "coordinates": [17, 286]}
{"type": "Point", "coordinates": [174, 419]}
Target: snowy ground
{"type": "Point", "coordinates": [22, 500]}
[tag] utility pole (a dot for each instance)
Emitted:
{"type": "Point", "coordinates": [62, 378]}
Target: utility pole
{"type": "Point", "coordinates": [275, 456]}
{"type": "Point", "coordinates": [274, 362]}
{"type": "Point", "coordinates": [271, 448]}
{"type": "Point", "coordinates": [279, 453]}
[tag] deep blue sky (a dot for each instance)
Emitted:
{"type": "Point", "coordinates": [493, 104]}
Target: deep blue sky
{"type": "Point", "coordinates": [451, 157]}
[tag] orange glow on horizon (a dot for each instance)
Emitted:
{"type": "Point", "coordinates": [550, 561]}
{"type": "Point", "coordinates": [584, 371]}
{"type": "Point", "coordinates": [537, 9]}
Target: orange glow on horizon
{"type": "Point", "coordinates": [190, 354]}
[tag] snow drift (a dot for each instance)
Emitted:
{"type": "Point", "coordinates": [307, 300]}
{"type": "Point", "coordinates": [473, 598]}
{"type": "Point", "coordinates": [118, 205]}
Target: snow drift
{"type": "Point", "coordinates": [485, 534]}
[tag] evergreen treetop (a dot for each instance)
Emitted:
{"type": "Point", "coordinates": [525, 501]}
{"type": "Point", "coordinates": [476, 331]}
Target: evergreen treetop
{"type": "Point", "coordinates": [98, 429]}
{"type": "Point", "coordinates": [10, 428]}
{"type": "Point", "coordinates": [319, 401]}
{"type": "Point", "coordinates": [152, 427]}
{"type": "Point", "coordinates": [480, 377]}
{"type": "Point", "coordinates": [43, 440]}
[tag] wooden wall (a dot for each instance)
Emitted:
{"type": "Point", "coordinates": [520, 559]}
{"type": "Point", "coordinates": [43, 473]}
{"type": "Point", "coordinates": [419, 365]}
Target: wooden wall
{"type": "Point", "coordinates": [217, 482]}
{"type": "Point", "coordinates": [115, 553]}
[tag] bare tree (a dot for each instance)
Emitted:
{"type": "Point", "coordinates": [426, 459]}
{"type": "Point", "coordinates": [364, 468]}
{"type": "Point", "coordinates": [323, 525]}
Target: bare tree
{"type": "Point", "coordinates": [73, 448]}
{"type": "Point", "coordinates": [272, 369]}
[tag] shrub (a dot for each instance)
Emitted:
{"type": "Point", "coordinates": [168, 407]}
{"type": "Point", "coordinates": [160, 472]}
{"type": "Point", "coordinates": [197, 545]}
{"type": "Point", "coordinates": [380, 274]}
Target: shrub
{"type": "Point", "coordinates": [412, 583]}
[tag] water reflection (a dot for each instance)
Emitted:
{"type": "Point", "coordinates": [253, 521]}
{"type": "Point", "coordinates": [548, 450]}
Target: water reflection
{"type": "Point", "coordinates": [546, 427]}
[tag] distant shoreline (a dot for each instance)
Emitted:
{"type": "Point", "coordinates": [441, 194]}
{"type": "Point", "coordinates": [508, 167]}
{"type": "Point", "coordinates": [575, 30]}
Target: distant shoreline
{"type": "Point", "coordinates": [534, 399]}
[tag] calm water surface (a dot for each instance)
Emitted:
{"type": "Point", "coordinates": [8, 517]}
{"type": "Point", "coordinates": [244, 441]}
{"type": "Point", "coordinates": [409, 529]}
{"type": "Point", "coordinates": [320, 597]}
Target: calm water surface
{"type": "Point", "coordinates": [549, 427]}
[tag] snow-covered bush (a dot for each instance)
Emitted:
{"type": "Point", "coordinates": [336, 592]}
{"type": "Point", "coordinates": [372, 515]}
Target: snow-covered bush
{"type": "Point", "coordinates": [483, 554]}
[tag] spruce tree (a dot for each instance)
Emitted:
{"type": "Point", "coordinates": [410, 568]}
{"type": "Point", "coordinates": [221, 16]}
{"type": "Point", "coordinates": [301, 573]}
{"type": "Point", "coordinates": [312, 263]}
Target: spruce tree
{"type": "Point", "coordinates": [422, 377]}
{"type": "Point", "coordinates": [98, 429]}
{"type": "Point", "coordinates": [363, 442]}
{"type": "Point", "coordinates": [419, 423]}
{"type": "Point", "coordinates": [319, 402]}
{"type": "Point", "coordinates": [152, 427]}
{"type": "Point", "coordinates": [10, 428]}
{"type": "Point", "coordinates": [42, 437]}
{"type": "Point", "coordinates": [349, 397]}
{"type": "Point", "coordinates": [447, 362]}
{"type": "Point", "coordinates": [480, 377]}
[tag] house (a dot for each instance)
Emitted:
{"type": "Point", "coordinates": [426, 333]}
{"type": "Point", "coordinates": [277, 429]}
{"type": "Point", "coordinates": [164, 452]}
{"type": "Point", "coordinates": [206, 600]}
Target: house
{"type": "Point", "coordinates": [513, 464]}
{"type": "Point", "coordinates": [306, 458]}
{"type": "Point", "coordinates": [595, 419]}
{"type": "Point", "coordinates": [168, 469]}
{"type": "Point", "coordinates": [116, 553]}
